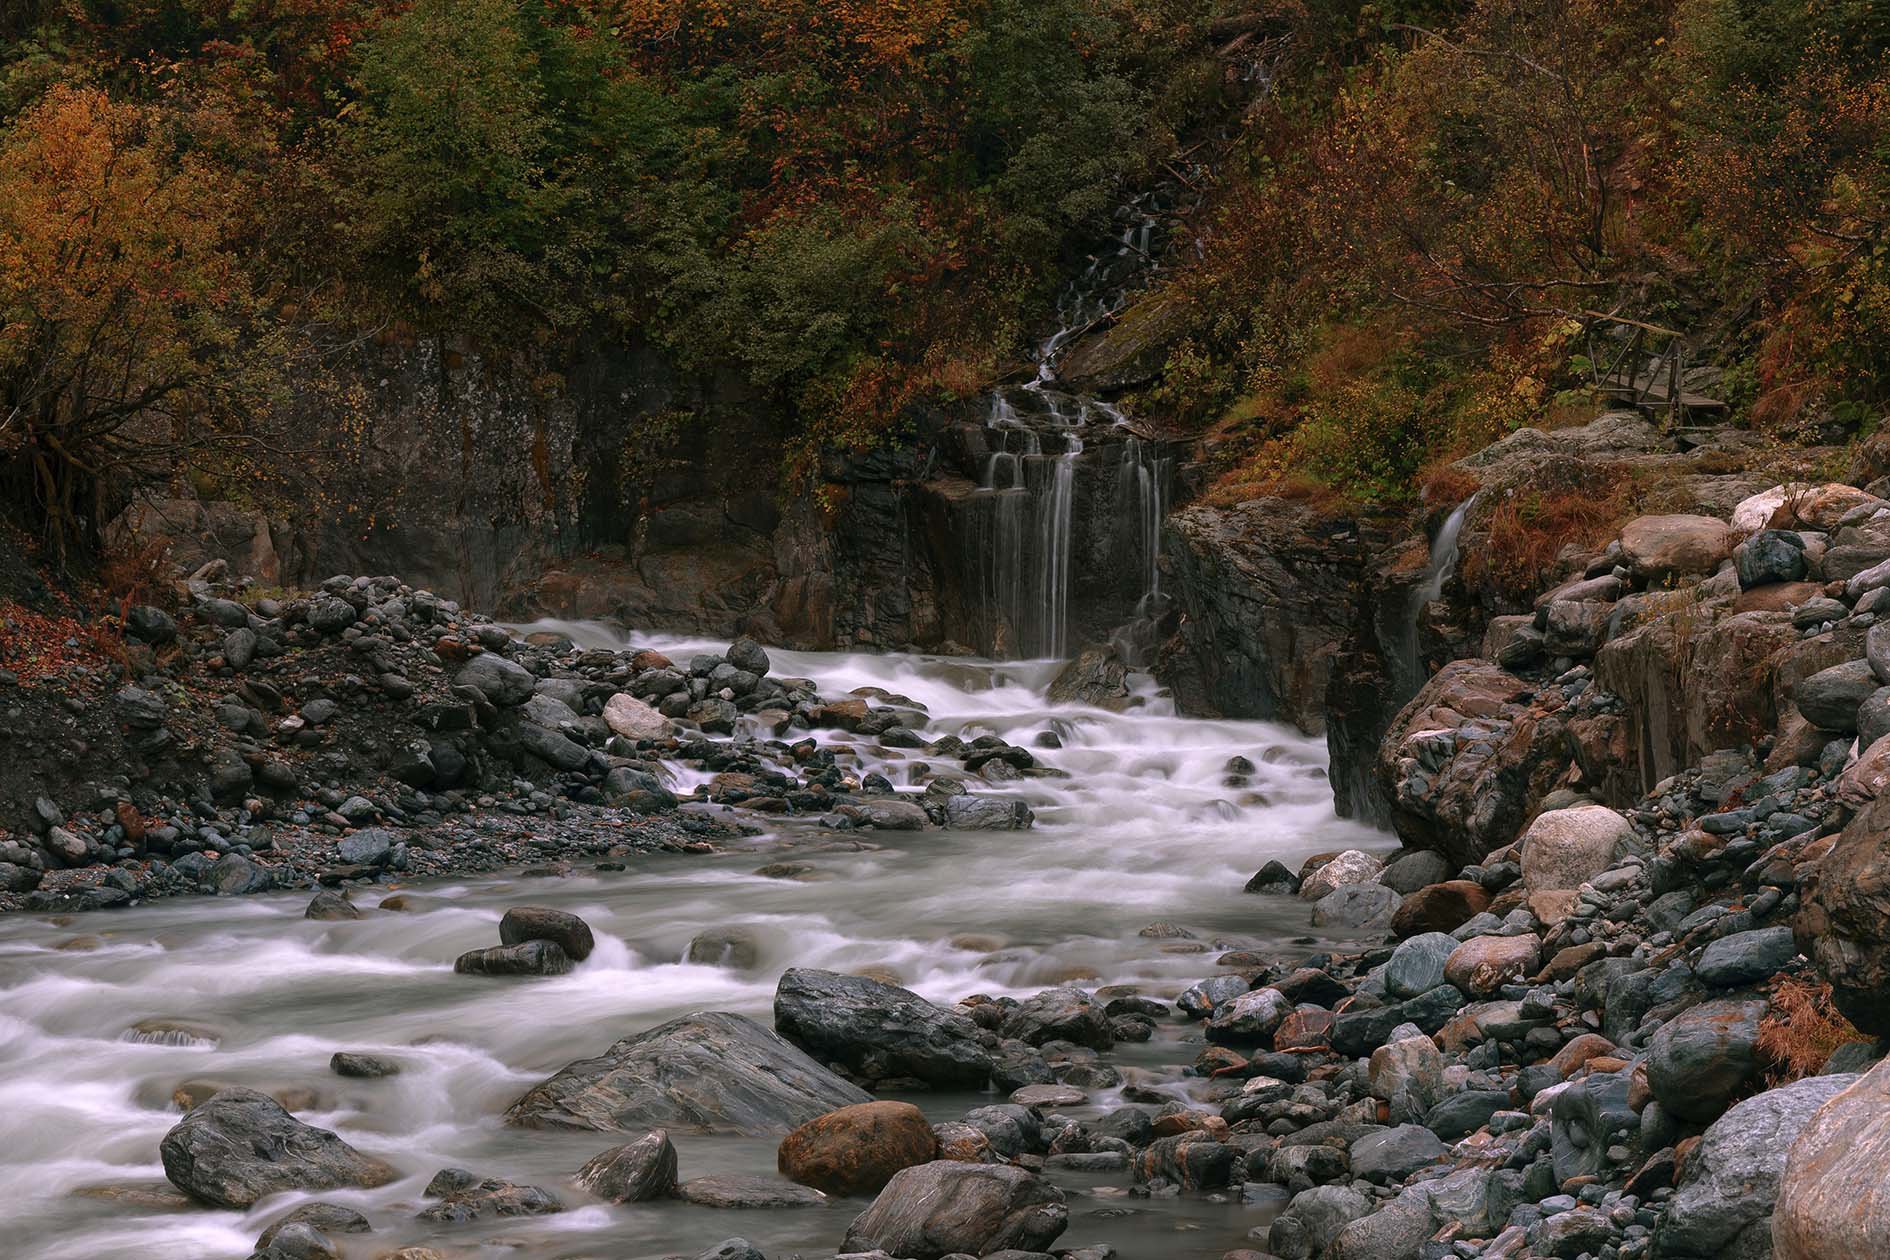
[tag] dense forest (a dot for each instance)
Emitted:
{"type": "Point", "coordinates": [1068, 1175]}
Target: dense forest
{"type": "Point", "coordinates": [854, 206]}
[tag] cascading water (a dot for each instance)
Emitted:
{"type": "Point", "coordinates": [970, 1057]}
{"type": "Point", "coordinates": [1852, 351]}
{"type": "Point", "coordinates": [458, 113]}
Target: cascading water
{"type": "Point", "coordinates": [1035, 438]}
{"type": "Point", "coordinates": [1408, 665]}
{"type": "Point", "coordinates": [1142, 482]}
{"type": "Point", "coordinates": [1146, 824]}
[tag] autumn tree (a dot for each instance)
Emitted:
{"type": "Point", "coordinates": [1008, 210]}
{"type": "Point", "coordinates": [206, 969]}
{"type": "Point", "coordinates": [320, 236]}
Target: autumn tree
{"type": "Point", "coordinates": [128, 333]}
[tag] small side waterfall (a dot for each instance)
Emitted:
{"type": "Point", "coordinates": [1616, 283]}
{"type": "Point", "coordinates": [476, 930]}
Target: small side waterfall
{"type": "Point", "coordinates": [1147, 469]}
{"type": "Point", "coordinates": [1408, 666]}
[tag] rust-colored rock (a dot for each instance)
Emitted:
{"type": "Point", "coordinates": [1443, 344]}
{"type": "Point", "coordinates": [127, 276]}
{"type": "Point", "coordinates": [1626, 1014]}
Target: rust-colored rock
{"type": "Point", "coordinates": [844, 714]}
{"type": "Point", "coordinates": [1579, 1053]}
{"type": "Point", "coordinates": [1308, 1028]}
{"type": "Point", "coordinates": [1834, 1195]}
{"type": "Point", "coordinates": [1776, 596]}
{"type": "Point", "coordinates": [1483, 964]}
{"type": "Point", "coordinates": [1571, 959]}
{"type": "Point", "coordinates": [1441, 907]}
{"type": "Point", "coordinates": [857, 1149]}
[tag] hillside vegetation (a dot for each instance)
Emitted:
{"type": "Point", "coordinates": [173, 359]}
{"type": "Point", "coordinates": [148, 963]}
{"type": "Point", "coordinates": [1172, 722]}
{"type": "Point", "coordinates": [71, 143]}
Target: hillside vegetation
{"type": "Point", "coordinates": [857, 205]}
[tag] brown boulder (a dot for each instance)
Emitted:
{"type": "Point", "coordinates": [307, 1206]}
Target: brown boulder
{"type": "Point", "coordinates": [1441, 907]}
{"type": "Point", "coordinates": [857, 1149]}
{"type": "Point", "coordinates": [1483, 964]}
{"type": "Point", "coordinates": [1843, 924]}
{"type": "Point", "coordinates": [1579, 1052]}
{"type": "Point", "coordinates": [1834, 1195]}
{"type": "Point", "coordinates": [1776, 596]}
{"type": "Point", "coordinates": [1657, 547]}
{"type": "Point", "coordinates": [1307, 1028]}
{"type": "Point", "coordinates": [1698, 678]}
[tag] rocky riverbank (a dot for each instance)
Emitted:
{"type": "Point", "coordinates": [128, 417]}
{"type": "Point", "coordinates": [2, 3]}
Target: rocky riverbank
{"type": "Point", "coordinates": [369, 732]}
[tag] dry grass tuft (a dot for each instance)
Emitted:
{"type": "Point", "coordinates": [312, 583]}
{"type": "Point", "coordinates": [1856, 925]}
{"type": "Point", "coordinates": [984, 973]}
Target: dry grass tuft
{"type": "Point", "coordinates": [1529, 531]}
{"type": "Point", "coordinates": [1801, 1028]}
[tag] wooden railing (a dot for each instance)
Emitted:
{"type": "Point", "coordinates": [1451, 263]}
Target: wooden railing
{"type": "Point", "coordinates": [1649, 371]}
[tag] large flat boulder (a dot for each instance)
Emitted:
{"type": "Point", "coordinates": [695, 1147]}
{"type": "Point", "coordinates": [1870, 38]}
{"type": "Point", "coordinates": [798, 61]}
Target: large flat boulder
{"type": "Point", "coordinates": [878, 1031]}
{"type": "Point", "coordinates": [1657, 547]}
{"type": "Point", "coordinates": [711, 1072]}
{"type": "Point", "coordinates": [240, 1146]}
{"type": "Point", "coordinates": [1834, 1192]}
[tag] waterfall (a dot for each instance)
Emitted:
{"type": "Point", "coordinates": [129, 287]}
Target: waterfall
{"type": "Point", "coordinates": [1147, 470]}
{"type": "Point", "coordinates": [1053, 544]}
{"type": "Point", "coordinates": [1022, 550]}
{"type": "Point", "coordinates": [1408, 666]}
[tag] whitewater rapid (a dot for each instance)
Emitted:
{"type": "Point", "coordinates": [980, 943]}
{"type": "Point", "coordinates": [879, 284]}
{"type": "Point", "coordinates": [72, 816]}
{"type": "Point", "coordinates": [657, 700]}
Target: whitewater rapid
{"type": "Point", "coordinates": [1145, 829]}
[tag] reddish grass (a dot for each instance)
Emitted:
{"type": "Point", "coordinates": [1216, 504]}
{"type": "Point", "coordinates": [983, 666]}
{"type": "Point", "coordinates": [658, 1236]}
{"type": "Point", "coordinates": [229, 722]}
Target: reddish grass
{"type": "Point", "coordinates": [1800, 1029]}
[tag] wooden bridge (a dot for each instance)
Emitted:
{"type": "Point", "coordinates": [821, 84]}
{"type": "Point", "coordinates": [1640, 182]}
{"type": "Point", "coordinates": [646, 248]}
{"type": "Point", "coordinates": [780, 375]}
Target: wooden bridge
{"type": "Point", "coordinates": [1649, 370]}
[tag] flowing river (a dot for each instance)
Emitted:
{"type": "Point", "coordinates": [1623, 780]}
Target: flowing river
{"type": "Point", "coordinates": [1144, 830]}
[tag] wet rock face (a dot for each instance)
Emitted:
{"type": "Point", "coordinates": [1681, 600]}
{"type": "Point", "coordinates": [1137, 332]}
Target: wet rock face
{"type": "Point", "coordinates": [1269, 592]}
{"type": "Point", "coordinates": [877, 1030]}
{"type": "Point", "coordinates": [241, 1146]}
{"type": "Point", "coordinates": [543, 923]}
{"type": "Point", "coordinates": [634, 1172]}
{"type": "Point", "coordinates": [1469, 758]}
{"type": "Point", "coordinates": [946, 1208]}
{"type": "Point", "coordinates": [711, 1072]}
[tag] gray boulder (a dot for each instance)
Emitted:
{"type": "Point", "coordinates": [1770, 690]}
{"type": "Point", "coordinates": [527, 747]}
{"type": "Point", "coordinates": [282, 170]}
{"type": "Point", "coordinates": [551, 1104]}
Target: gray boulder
{"type": "Point", "coordinates": [532, 958]}
{"type": "Point", "coordinates": [241, 1146]}
{"type": "Point", "coordinates": [1395, 1153]}
{"type": "Point", "coordinates": [1747, 957]}
{"type": "Point", "coordinates": [1250, 1019]}
{"type": "Point", "coordinates": [1313, 1219]}
{"type": "Point", "coordinates": [1356, 907]}
{"type": "Point", "coordinates": [1585, 1119]}
{"type": "Point", "coordinates": [1417, 965]}
{"type": "Point", "coordinates": [944, 1208]}
{"type": "Point", "coordinates": [1829, 698]}
{"type": "Point", "coordinates": [878, 1031]}
{"type": "Point", "coordinates": [464, 1196]}
{"type": "Point", "coordinates": [1699, 1060]}
{"type": "Point", "coordinates": [235, 875]}
{"type": "Point", "coordinates": [330, 615]}
{"type": "Point", "coordinates": [504, 682]}
{"type": "Point", "coordinates": [554, 749]}
{"type": "Point", "coordinates": [1772, 555]}
{"type": "Point", "coordinates": [987, 813]}
{"type": "Point", "coordinates": [709, 1072]}
{"type": "Point", "coordinates": [1732, 1179]}
{"type": "Point", "coordinates": [1062, 1014]}
{"type": "Point", "coordinates": [634, 1172]}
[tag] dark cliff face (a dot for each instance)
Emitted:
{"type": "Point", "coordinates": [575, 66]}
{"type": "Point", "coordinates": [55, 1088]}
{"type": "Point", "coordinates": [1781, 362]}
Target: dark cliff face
{"type": "Point", "coordinates": [1267, 591]}
{"type": "Point", "coordinates": [604, 484]}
